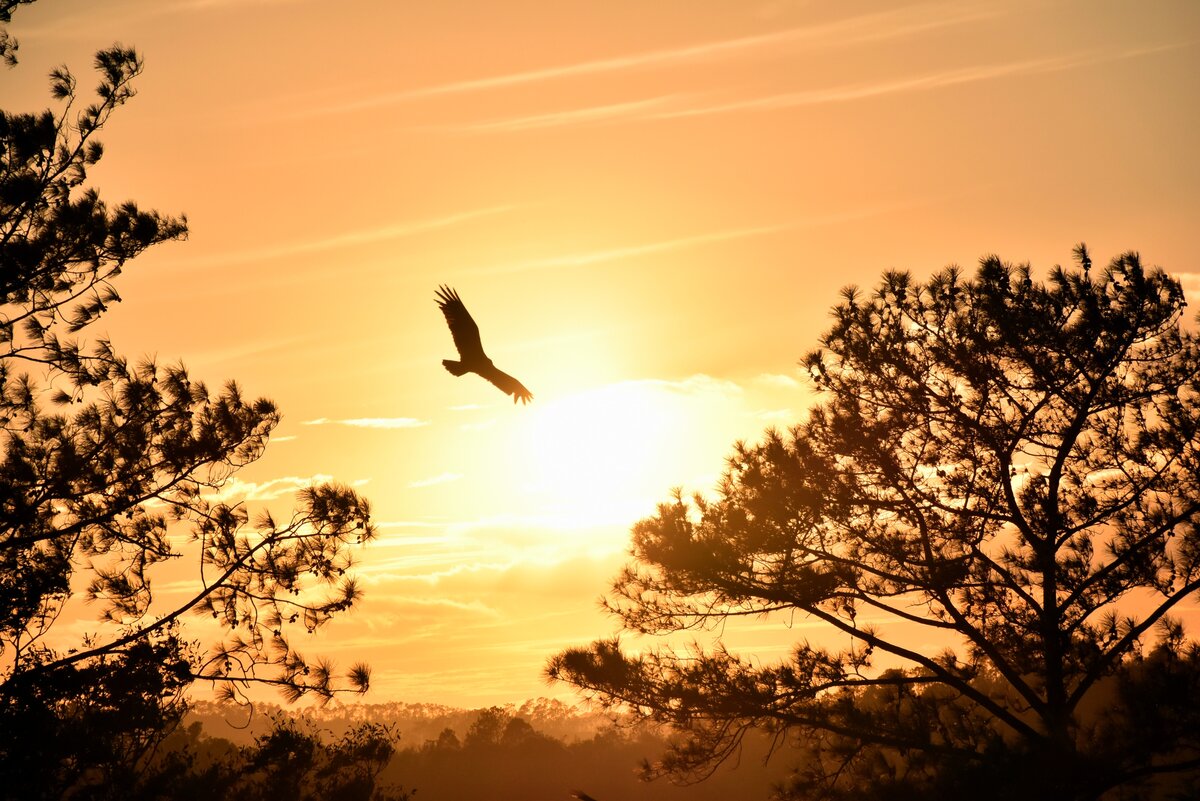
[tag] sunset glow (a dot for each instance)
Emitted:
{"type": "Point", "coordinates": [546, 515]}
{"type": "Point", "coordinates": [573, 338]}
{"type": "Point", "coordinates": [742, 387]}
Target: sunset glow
{"type": "Point", "coordinates": [648, 209]}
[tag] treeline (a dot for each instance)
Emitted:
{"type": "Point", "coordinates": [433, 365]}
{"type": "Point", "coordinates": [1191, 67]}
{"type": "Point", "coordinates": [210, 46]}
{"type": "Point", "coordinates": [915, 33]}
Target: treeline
{"type": "Point", "coordinates": [542, 749]}
{"type": "Point", "coordinates": [418, 722]}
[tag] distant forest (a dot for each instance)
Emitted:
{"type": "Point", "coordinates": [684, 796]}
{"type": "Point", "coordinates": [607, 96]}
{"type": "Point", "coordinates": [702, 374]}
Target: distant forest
{"type": "Point", "coordinates": [542, 749]}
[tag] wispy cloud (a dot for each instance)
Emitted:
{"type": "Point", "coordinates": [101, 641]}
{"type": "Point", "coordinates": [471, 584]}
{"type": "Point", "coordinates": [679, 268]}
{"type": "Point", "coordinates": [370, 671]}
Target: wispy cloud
{"type": "Point", "coordinates": [257, 348]}
{"type": "Point", "coordinates": [853, 30]}
{"type": "Point", "coordinates": [779, 380]}
{"type": "Point", "coordinates": [472, 606]}
{"type": "Point", "coordinates": [776, 416]}
{"type": "Point", "coordinates": [235, 489]}
{"type": "Point", "coordinates": [605, 255]}
{"type": "Point", "coordinates": [369, 422]}
{"type": "Point", "coordinates": [190, 5]}
{"type": "Point", "coordinates": [350, 238]}
{"type": "Point", "coordinates": [698, 384]}
{"type": "Point", "coordinates": [580, 116]}
{"type": "Point", "coordinates": [682, 106]}
{"type": "Point", "coordinates": [82, 24]}
{"type": "Point", "coordinates": [929, 81]}
{"type": "Point", "coordinates": [614, 254]}
{"type": "Point", "coordinates": [1191, 285]}
{"type": "Point", "coordinates": [441, 478]}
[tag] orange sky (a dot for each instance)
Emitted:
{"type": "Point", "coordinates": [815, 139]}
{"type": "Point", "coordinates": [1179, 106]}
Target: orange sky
{"type": "Point", "coordinates": [649, 208]}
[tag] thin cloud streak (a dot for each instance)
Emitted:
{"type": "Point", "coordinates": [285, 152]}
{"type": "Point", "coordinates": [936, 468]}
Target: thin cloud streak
{"type": "Point", "coordinates": [350, 238]}
{"type": "Point", "coordinates": [257, 348]}
{"type": "Point", "coordinates": [369, 422]}
{"type": "Point", "coordinates": [253, 491]}
{"type": "Point", "coordinates": [189, 5]}
{"type": "Point", "coordinates": [854, 30]}
{"type": "Point", "coordinates": [698, 384]}
{"type": "Point", "coordinates": [473, 606]}
{"type": "Point", "coordinates": [589, 258]}
{"type": "Point", "coordinates": [615, 254]}
{"type": "Point", "coordinates": [635, 109]}
{"type": "Point", "coordinates": [844, 94]}
{"type": "Point", "coordinates": [777, 380]}
{"type": "Point", "coordinates": [83, 26]}
{"type": "Point", "coordinates": [441, 478]}
{"type": "Point", "coordinates": [645, 110]}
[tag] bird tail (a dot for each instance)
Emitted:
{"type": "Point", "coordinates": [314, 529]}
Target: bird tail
{"type": "Point", "coordinates": [455, 368]}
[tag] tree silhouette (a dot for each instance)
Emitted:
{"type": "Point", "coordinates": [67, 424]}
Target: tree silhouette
{"type": "Point", "coordinates": [8, 45]}
{"type": "Point", "coordinates": [293, 759]}
{"type": "Point", "coordinates": [299, 763]}
{"type": "Point", "coordinates": [992, 511]}
{"type": "Point", "coordinates": [103, 460]}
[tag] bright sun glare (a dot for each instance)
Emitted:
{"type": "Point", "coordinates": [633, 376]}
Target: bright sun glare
{"type": "Point", "coordinates": [604, 454]}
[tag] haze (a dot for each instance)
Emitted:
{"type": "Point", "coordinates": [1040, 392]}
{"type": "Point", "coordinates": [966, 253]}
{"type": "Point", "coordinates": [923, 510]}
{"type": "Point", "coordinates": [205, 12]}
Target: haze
{"type": "Point", "coordinates": [648, 209]}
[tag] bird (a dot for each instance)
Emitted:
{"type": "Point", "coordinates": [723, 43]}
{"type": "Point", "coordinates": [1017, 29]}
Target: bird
{"type": "Point", "coordinates": [472, 359]}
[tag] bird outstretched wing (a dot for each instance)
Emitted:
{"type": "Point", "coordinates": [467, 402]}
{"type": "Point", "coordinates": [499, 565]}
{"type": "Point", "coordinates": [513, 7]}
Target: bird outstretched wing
{"type": "Point", "coordinates": [470, 348]}
{"type": "Point", "coordinates": [463, 328]}
{"type": "Point", "coordinates": [508, 384]}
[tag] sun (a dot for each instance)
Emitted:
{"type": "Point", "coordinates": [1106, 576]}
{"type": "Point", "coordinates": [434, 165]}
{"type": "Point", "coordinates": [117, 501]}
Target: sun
{"type": "Point", "coordinates": [595, 461]}
{"type": "Point", "coordinates": [603, 454]}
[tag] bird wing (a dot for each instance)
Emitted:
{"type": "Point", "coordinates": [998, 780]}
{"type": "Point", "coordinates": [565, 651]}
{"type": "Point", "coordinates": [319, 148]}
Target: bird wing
{"type": "Point", "coordinates": [462, 326]}
{"type": "Point", "coordinates": [508, 384]}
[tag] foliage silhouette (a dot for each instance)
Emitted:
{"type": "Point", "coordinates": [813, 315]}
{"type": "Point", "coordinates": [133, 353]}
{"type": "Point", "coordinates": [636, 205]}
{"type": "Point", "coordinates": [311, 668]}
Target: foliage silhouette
{"type": "Point", "coordinates": [8, 45]}
{"type": "Point", "coordinates": [506, 755]}
{"type": "Point", "coordinates": [92, 485]}
{"type": "Point", "coordinates": [292, 760]}
{"type": "Point", "coordinates": [470, 348]}
{"type": "Point", "coordinates": [995, 506]}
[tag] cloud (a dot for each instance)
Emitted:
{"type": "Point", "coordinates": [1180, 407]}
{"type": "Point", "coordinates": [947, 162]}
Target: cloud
{"type": "Point", "coordinates": [605, 255]}
{"type": "Point", "coordinates": [778, 380]}
{"type": "Point", "coordinates": [246, 349]}
{"type": "Point", "coordinates": [853, 30]}
{"type": "Point", "coordinates": [82, 25]}
{"type": "Point", "coordinates": [235, 489]}
{"type": "Point", "coordinates": [189, 5]}
{"type": "Point", "coordinates": [671, 107]}
{"type": "Point", "coordinates": [369, 422]}
{"type": "Point", "coordinates": [929, 81]}
{"type": "Point", "coordinates": [351, 238]}
{"type": "Point", "coordinates": [1190, 282]}
{"type": "Point", "coordinates": [441, 478]}
{"type": "Point", "coordinates": [634, 109]}
{"type": "Point", "coordinates": [698, 384]}
{"type": "Point", "coordinates": [589, 258]}
{"type": "Point", "coordinates": [472, 606]}
{"type": "Point", "coordinates": [408, 524]}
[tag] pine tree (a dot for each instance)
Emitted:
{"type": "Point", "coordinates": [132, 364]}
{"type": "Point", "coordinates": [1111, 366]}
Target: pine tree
{"type": "Point", "coordinates": [1006, 468]}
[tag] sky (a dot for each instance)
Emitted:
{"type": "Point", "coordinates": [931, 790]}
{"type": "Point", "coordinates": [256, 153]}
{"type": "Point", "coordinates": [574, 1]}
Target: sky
{"type": "Point", "coordinates": [648, 207]}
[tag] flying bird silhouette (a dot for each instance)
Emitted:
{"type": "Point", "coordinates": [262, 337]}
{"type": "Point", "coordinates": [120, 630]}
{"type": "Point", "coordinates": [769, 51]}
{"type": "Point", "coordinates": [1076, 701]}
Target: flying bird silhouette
{"type": "Point", "coordinates": [472, 359]}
